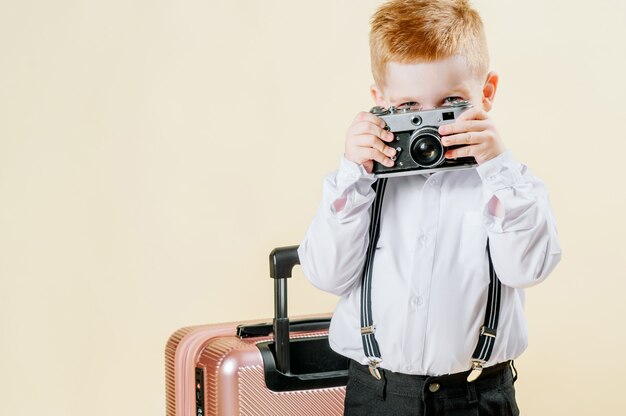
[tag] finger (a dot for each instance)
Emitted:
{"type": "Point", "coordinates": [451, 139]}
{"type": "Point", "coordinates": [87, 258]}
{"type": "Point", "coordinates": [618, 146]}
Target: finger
{"type": "Point", "coordinates": [462, 126]}
{"type": "Point", "coordinates": [473, 113]}
{"type": "Point", "coordinates": [369, 141]}
{"type": "Point", "coordinates": [373, 154]}
{"type": "Point", "coordinates": [367, 154]}
{"type": "Point", "coordinates": [366, 127]}
{"type": "Point", "coordinates": [464, 138]}
{"type": "Point", "coordinates": [369, 117]}
{"type": "Point", "coordinates": [465, 151]}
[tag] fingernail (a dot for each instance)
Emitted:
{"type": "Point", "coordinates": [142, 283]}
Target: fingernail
{"type": "Point", "coordinates": [390, 162]}
{"type": "Point", "coordinates": [445, 140]}
{"type": "Point", "coordinates": [390, 151]}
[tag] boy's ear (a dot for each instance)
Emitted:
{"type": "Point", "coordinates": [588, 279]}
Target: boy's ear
{"type": "Point", "coordinates": [489, 90]}
{"type": "Point", "coordinates": [377, 96]}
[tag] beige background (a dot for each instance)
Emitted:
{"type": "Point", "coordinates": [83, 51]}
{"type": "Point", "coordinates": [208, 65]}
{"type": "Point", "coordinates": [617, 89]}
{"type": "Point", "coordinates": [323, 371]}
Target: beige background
{"type": "Point", "coordinates": [153, 152]}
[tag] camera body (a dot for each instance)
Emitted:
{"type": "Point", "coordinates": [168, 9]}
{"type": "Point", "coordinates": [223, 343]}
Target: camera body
{"type": "Point", "coordinates": [418, 145]}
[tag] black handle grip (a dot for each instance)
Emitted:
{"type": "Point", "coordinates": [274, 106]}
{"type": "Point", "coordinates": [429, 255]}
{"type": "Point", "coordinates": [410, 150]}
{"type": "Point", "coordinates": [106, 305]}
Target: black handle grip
{"type": "Point", "coordinates": [282, 261]}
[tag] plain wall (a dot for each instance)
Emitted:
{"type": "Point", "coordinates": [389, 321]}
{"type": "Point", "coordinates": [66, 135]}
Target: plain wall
{"type": "Point", "coordinates": [153, 152]}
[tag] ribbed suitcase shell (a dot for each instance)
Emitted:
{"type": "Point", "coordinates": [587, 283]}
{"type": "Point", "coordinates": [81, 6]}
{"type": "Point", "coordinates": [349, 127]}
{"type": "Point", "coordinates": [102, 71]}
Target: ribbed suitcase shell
{"type": "Point", "coordinates": [234, 382]}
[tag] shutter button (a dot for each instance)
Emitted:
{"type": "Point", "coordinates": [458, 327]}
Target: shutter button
{"type": "Point", "coordinates": [434, 387]}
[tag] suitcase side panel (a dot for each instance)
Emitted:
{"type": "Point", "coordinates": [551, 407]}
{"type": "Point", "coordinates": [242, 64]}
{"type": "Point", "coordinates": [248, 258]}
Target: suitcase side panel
{"type": "Point", "coordinates": [185, 346]}
{"type": "Point", "coordinates": [170, 369]}
{"type": "Point", "coordinates": [234, 382]}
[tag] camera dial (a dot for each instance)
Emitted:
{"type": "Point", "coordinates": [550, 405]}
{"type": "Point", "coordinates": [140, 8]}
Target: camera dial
{"type": "Point", "coordinates": [379, 111]}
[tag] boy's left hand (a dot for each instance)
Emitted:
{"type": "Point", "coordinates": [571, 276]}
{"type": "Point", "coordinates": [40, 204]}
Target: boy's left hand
{"type": "Point", "coordinates": [476, 132]}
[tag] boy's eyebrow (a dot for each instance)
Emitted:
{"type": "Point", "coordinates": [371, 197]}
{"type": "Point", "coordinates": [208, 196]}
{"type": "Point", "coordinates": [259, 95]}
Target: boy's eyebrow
{"type": "Point", "coordinates": [456, 90]}
{"type": "Point", "coordinates": [404, 100]}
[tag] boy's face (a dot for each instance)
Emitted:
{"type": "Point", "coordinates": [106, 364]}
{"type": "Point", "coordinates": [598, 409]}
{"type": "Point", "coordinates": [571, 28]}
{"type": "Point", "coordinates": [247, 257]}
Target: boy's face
{"type": "Point", "coordinates": [435, 84]}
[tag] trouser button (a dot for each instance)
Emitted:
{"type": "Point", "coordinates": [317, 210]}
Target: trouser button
{"type": "Point", "coordinates": [434, 387]}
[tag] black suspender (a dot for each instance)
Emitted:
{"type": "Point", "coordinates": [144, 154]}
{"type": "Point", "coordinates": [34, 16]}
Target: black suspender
{"type": "Point", "coordinates": [488, 331]}
{"type": "Point", "coordinates": [370, 346]}
{"type": "Point", "coordinates": [487, 337]}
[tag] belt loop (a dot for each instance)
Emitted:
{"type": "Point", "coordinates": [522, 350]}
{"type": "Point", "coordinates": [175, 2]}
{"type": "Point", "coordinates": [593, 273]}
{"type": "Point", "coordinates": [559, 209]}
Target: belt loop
{"type": "Point", "coordinates": [471, 393]}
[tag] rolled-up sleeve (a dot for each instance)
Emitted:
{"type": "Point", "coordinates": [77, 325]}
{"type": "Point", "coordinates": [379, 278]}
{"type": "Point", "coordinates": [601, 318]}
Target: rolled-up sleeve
{"type": "Point", "coordinates": [522, 230]}
{"type": "Point", "coordinates": [332, 252]}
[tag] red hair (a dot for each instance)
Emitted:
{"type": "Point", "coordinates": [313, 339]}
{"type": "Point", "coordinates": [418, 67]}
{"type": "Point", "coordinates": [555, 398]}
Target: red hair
{"type": "Point", "coordinates": [412, 31]}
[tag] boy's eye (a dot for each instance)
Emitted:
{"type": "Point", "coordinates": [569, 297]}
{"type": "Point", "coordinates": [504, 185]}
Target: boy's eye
{"type": "Point", "coordinates": [451, 100]}
{"type": "Point", "coordinates": [410, 104]}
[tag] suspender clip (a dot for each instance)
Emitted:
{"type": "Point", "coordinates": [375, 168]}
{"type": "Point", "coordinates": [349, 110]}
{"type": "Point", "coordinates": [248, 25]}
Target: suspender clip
{"type": "Point", "coordinates": [477, 369]}
{"type": "Point", "coordinates": [374, 363]}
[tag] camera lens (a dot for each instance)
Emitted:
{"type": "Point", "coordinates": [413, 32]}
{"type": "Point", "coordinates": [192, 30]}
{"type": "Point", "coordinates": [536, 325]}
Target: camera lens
{"type": "Point", "coordinates": [426, 148]}
{"type": "Point", "coordinates": [425, 151]}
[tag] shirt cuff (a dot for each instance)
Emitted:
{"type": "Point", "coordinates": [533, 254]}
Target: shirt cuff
{"type": "Point", "coordinates": [501, 172]}
{"type": "Point", "coordinates": [350, 173]}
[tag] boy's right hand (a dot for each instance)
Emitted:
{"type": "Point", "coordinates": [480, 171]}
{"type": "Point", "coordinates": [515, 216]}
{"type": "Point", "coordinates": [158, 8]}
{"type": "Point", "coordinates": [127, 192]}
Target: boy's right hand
{"type": "Point", "coordinates": [365, 142]}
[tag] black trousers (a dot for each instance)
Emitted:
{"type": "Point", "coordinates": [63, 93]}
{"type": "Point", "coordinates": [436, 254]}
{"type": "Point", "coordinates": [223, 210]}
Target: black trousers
{"type": "Point", "coordinates": [399, 394]}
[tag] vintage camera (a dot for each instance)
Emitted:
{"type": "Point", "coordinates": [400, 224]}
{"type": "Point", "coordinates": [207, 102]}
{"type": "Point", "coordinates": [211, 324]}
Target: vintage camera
{"type": "Point", "coordinates": [417, 141]}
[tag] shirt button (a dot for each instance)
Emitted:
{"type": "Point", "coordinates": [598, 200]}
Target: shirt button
{"type": "Point", "coordinates": [418, 301]}
{"type": "Point", "coordinates": [434, 387]}
{"type": "Point", "coordinates": [491, 178]}
{"type": "Point", "coordinates": [434, 183]}
{"type": "Point", "coordinates": [409, 368]}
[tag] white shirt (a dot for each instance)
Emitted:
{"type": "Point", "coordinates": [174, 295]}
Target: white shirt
{"type": "Point", "coordinates": [430, 272]}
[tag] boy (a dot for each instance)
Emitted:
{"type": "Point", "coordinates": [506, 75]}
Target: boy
{"type": "Point", "coordinates": [442, 236]}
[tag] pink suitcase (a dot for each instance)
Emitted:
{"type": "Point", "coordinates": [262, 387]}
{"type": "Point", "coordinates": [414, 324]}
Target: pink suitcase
{"type": "Point", "coordinates": [238, 368]}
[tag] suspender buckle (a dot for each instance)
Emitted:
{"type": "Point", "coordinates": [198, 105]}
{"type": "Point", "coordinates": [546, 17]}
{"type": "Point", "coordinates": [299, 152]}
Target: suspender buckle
{"type": "Point", "coordinates": [477, 369]}
{"type": "Point", "coordinates": [367, 330]}
{"type": "Point", "coordinates": [374, 363]}
{"type": "Point", "coordinates": [488, 332]}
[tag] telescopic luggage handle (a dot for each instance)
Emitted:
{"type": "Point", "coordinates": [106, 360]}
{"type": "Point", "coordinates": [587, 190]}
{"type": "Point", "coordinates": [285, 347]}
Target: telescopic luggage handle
{"type": "Point", "coordinates": [282, 262]}
{"type": "Point", "coordinates": [301, 364]}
